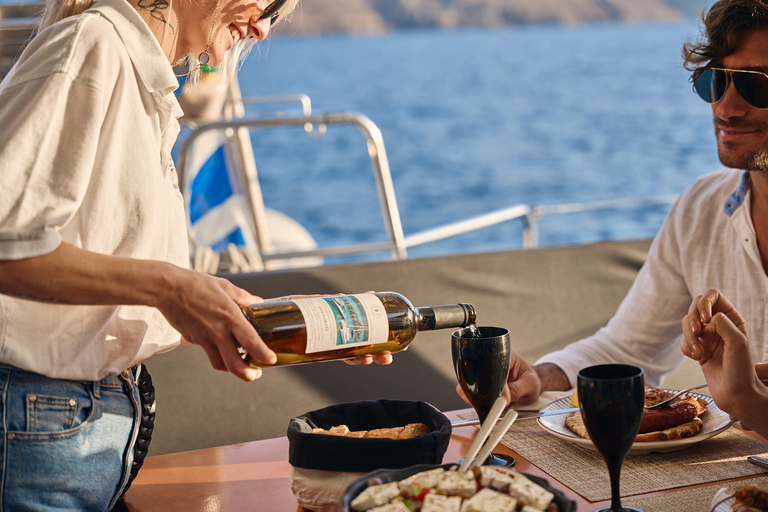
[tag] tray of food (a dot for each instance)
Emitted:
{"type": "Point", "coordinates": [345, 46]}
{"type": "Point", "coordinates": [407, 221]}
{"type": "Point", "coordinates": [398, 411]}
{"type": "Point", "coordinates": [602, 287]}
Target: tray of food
{"type": "Point", "coordinates": [431, 488]}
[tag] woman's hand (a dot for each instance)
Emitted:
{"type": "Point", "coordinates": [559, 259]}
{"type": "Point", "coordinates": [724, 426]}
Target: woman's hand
{"type": "Point", "coordinates": [383, 358]}
{"type": "Point", "coordinates": [715, 335]}
{"type": "Point", "coordinates": [206, 312]}
{"type": "Point", "coordinates": [695, 344]}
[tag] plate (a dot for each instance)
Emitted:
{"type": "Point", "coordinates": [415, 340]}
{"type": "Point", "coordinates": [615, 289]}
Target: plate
{"type": "Point", "coordinates": [389, 475]}
{"type": "Point", "coordinates": [724, 505]}
{"type": "Point", "coordinates": [714, 419]}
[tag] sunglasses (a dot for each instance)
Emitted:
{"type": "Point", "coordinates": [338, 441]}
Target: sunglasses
{"type": "Point", "coordinates": [752, 86]}
{"type": "Point", "coordinates": [272, 11]}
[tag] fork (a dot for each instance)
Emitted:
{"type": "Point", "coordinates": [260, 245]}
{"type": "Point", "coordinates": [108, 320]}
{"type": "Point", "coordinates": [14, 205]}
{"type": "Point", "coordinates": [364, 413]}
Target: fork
{"type": "Point", "coordinates": [666, 401]}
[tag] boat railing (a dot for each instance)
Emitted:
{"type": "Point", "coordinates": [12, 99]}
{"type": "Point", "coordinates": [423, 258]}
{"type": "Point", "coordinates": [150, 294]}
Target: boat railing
{"type": "Point", "coordinates": [397, 243]}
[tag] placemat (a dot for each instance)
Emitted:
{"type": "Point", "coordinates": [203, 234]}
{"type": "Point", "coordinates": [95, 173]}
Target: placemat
{"type": "Point", "coordinates": [584, 471]}
{"type": "Point", "coordinates": [691, 500]}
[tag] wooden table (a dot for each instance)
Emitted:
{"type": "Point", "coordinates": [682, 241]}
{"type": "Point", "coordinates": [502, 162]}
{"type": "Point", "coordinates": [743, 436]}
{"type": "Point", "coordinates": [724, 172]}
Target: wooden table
{"type": "Point", "coordinates": [255, 476]}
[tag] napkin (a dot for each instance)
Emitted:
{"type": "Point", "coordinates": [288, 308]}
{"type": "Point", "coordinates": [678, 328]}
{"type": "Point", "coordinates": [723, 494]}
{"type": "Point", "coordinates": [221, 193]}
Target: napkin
{"type": "Point", "coordinates": [721, 495]}
{"type": "Point", "coordinates": [546, 398]}
{"type": "Point", "coordinates": [324, 466]}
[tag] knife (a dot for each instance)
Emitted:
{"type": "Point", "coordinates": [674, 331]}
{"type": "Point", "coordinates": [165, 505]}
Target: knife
{"type": "Point", "coordinates": [521, 416]}
{"type": "Point", "coordinates": [758, 461]}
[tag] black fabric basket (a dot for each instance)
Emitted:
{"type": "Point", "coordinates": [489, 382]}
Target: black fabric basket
{"type": "Point", "coordinates": [336, 453]}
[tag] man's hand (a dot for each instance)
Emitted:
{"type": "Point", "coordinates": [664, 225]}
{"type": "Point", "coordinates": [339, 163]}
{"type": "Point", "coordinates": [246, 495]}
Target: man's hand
{"type": "Point", "coordinates": [525, 383]}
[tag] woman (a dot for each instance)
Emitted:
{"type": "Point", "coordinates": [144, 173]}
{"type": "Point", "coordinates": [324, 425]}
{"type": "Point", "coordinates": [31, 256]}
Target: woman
{"type": "Point", "coordinates": [715, 335]}
{"type": "Point", "coordinates": [93, 247]}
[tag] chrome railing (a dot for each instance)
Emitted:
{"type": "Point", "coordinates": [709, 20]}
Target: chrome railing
{"type": "Point", "coordinates": [397, 243]}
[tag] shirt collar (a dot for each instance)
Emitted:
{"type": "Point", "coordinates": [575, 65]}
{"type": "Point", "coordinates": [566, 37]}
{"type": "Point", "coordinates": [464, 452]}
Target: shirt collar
{"type": "Point", "coordinates": [738, 196]}
{"type": "Point", "coordinates": [147, 56]}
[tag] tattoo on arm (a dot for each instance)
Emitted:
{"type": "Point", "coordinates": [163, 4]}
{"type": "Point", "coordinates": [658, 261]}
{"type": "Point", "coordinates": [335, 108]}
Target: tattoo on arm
{"type": "Point", "coordinates": [155, 8]}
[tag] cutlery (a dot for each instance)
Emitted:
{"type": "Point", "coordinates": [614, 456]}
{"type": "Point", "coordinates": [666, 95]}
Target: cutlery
{"type": "Point", "coordinates": [520, 416]}
{"type": "Point", "coordinates": [489, 445]}
{"type": "Point", "coordinates": [665, 402]}
{"type": "Point", "coordinates": [758, 461]}
{"type": "Point", "coordinates": [485, 430]}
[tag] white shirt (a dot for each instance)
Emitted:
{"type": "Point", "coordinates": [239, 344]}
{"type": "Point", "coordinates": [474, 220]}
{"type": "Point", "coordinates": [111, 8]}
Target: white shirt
{"type": "Point", "coordinates": [701, 245]}
{"type": "Point", "coordinates": [87, 122]}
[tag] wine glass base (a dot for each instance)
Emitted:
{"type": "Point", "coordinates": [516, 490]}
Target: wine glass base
{"type": "Point", "coordinates": [500, 459]}
{"type": "Point", "coordinates": [623, 509]}
{"type": "Point", "coordinates": [497, 459]}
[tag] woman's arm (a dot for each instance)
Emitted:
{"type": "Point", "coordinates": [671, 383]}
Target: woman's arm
{"type": "Point", "coordinates": [203, 308]}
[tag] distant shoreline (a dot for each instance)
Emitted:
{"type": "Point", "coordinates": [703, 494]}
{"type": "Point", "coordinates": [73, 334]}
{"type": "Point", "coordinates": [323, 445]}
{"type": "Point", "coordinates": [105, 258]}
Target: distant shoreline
{"type": "Point", "coordinates": [314, 17]}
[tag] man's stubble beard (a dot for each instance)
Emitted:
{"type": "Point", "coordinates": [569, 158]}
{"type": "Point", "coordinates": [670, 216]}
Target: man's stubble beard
{"type": "Point", "coordinates": [755, 161]}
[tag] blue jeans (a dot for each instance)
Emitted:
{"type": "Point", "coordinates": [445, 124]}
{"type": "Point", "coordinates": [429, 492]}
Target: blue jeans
{"type": "Point", "coordinates": [66, 445]}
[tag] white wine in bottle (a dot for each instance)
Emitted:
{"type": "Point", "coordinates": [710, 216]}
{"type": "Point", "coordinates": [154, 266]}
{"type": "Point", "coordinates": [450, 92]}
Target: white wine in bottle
{"type": "Point", "coordinates": [342, 326]}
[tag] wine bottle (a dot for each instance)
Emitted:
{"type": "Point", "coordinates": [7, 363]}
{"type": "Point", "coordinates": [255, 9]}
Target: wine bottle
{"type": "Point", "coordinates": [342, 326]}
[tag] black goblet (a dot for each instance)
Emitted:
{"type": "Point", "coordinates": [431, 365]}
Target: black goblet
{"type": "Point", "coordinates": [611, 399]}
{"type": "Point", "coordinates": [481, 358]}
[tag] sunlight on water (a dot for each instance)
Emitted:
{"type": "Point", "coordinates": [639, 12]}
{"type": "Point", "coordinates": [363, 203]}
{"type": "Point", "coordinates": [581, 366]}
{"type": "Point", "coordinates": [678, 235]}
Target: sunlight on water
{"type": "Point", "coordinates": [481, 119]}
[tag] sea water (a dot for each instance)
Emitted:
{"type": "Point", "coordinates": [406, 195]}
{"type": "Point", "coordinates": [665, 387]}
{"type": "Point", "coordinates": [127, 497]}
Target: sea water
{"type": "Point", "coordinates": [475, 120]}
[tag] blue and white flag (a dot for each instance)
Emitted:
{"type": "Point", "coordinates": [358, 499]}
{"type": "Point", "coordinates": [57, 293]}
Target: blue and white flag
{"type": "Point", "coordinates": [216, 205]}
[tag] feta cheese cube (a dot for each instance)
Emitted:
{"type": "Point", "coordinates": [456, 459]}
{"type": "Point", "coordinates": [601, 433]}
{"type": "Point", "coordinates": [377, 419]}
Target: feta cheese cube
{"type": "Point", "coordinates": [438, 503]}
{"type": "Point", "coordinates": [375, 495]}
{"type": "Point", "coordinates": [425, 479]}
{"type": "Point", "coordinates": [489, 500]}
{"type": "Point", "coordinates": [455, 483]}
{"type": "Point", "coordinates": [530, 493]}
{"type": "Point", "coordinates": [495, 479]}
{"type": "Point", "coordinates": [395, 506]}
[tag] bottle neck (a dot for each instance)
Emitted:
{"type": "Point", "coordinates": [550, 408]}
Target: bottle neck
{"type": "Point", "coordinates": [441, 317]}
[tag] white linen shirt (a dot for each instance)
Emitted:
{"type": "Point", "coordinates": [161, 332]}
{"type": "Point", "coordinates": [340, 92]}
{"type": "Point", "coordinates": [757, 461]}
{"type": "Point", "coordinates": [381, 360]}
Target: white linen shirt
{"type": "Point", "coordinates": [701, 245]}
{"type": "Point", "coordinates": [87, 122]}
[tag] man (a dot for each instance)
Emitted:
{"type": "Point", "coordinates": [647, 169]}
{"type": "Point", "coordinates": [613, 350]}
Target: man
{"type": "Point", "coordinates": [715, 235]}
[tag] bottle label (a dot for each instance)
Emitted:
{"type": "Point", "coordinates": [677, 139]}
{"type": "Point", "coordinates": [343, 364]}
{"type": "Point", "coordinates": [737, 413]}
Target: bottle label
{"type": "Point", "coordinates": [343, 321]}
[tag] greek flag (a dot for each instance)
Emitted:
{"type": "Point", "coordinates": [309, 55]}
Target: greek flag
{"type": "Point", "coordinates": [216, 205]}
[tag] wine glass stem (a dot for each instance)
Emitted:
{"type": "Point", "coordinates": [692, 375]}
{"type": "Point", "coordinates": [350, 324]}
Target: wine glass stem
{"type": "Point", "coordinates": [614, 471]}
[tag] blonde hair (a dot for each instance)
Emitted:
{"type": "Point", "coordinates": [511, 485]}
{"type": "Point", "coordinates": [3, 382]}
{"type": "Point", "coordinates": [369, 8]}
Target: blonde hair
{"type": "Point", "coordinates": [234, 58]}
{"type": "Point", "coordinates": [57, 10]}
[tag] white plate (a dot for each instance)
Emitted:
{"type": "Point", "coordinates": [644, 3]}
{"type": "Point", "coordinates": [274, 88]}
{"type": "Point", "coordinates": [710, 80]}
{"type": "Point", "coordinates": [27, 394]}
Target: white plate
{"type": "Point", "coordinates": [714, 419]}
{"type": "Point", "coordinates": [724, 506]}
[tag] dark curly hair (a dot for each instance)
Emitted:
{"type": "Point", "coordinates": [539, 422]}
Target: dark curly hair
{"type": "Point", "coordinates": [724, 24]}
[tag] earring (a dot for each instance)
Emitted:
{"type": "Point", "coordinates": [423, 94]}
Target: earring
{"type": "Point", "coordinates": [204, 57]}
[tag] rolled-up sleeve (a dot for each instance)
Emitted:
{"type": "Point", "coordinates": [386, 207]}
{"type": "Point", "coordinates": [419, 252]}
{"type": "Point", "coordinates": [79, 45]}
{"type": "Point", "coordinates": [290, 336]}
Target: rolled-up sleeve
{"type": "Point", "coordinates": [48, 139]}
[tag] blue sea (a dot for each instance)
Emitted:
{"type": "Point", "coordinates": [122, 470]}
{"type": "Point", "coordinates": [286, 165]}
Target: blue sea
{"type": "Point", "coordinates": [475, 120]}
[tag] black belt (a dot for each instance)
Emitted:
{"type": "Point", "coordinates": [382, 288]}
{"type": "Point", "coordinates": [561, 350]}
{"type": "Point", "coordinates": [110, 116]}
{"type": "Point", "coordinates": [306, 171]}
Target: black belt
{"type": "Point", "coordinates": [146, 426]}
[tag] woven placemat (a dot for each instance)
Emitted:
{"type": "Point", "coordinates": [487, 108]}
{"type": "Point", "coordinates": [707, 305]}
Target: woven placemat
{"type": "Point", "coordinates": [583, 470]}
{"type": "Point", "coordinates": [693, 500]}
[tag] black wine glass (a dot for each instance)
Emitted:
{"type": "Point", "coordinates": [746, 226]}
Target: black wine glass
{"type": "Point", "coordinates": [481, 358]}
{"type": "Point", "coordinates": [611, 399]}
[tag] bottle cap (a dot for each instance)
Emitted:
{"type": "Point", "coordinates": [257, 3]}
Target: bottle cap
{"type": "Point", "coordinates": [454, 315]}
